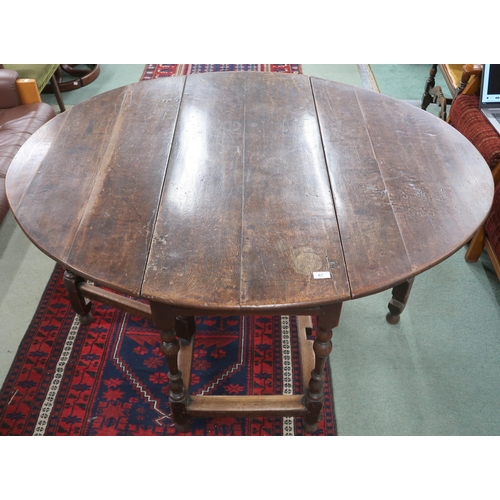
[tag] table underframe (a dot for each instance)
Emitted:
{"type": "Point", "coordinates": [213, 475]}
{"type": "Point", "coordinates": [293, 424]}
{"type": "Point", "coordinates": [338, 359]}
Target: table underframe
{"type": "Point", "coordinates": [177, 330]}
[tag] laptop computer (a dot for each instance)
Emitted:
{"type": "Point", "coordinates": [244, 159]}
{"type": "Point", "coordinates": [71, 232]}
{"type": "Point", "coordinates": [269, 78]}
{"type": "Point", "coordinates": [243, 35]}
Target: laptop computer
{"type": "Point", "coordinates": [489, 99]}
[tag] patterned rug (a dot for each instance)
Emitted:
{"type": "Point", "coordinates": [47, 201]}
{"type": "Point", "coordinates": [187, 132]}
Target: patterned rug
{"type": "Point", "coordinates": [110, 378]}
{"type": "Point", "coordinates": [160, 70]}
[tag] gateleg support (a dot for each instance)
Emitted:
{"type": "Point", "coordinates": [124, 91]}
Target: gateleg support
{"type": "Point", "coordinates": [327, 319]}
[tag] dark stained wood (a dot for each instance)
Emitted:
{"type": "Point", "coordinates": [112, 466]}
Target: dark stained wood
{"type": "Point", "coordinates": [289, 224]}
{"type": "Point", "coordinates": [374, 252]}
{"type": "Point", "coordinates": [322, 346]}
{"type": "Point", "coordinates": [121, 302]}
{"type": "Point", "coordinates": [100, 182]}
{"type": "Point", "coordinates": [24, 167]}
{"type": "Point", "coordinates": [437, 183]}
{"type": "Point", "coordinates": [247, 214]}
{"type": "Point", "coordinates": [224, 193]}
{"type": "Point", "coordinates": [304, 324]}
{"type": "Point", "coordinates": [170, 347]}
{"type": "Point", "coordinates": [128, 183]}
{"type": "Point", "coordinates": [78, 302]}
{"type": "Point", "coordinates": [409, 189]}
{"type": "Point", "coordinates": [242, 406]}
{"type": "Point", "coordinates": [196, 244]}
{"type": "Point", "coordinates": [397, 304]}
{"type": "Point", "coordinates": [59, 192]}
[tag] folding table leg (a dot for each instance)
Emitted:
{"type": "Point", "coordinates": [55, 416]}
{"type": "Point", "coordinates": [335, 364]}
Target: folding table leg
{"type": "Point", "coordinates": [315, 392]}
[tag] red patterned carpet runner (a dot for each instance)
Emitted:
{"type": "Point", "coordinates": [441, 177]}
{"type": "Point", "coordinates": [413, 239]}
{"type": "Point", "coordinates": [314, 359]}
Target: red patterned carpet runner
{"type": "Point", "coordinates": [160, 70]}
{"type": "Point", "coordinates": [110, 378]}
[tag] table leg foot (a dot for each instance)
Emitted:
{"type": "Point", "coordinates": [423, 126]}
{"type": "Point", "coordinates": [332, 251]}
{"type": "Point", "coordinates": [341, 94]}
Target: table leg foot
{"type": "Point", "coordinates": [309, 428]}
{"type": "Point", "coordinates": [182, 428]}
{"type": "Point", "coordinates": [179, 414]}
{"type": "Point", "coordinates": [86, 320]}
{"type": "Point", "coordinates": [392, 319]}
{"type": "Point", "coordinates": [400, 296]}
{"type": "Point", "coordinates": [167, 322]}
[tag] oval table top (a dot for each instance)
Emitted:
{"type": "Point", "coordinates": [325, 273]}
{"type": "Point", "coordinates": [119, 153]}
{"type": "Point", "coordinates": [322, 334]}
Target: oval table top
{"type": "Point", "coordinates": [232, 191]}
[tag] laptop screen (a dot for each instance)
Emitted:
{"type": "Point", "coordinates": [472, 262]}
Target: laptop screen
{"type": "Point", "coordinates": [490, 88]}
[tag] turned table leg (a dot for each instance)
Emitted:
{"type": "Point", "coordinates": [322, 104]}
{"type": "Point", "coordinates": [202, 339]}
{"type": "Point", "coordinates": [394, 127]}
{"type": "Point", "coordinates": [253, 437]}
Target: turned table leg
{"type": "Point", "coordinates": [322, 346]}
{"type": "Point", "coordinates": [400, 295]}
{"type": "Point", "coordinates": [170, 346]}
{"type": "Point", "coordinates": [79, 304]}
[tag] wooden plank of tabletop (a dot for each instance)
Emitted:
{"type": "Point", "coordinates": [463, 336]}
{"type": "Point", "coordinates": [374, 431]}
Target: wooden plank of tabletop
{"type": "Point", "coordinates": [409, 189]}
{"type": "Point", "coordinates": [247, 214]}
{"type": "Point", "coordinates": [120, 214]}
{"type": "Point", "coordinates": [56, 197]}
{"type": "Point", "coordinates": [289, 223]}
{"type": "Point", "coordinates": [374, 251]}
{"type": "Point", "coordinates": [25, 165]}
{"type": "Point", "coordinates": [196, 243]}
{"type": "Point", "coordinates": [99, 183]}
{"type": "Point", "coordinates": [439, 185]}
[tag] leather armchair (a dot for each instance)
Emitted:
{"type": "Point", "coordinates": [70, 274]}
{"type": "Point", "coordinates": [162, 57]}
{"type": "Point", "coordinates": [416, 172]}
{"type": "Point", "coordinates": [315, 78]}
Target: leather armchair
{"type": "Point", "coordinates": [17, 122]}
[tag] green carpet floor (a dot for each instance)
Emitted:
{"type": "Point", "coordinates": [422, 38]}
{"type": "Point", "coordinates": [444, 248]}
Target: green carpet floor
{"type": "Point", "coordinates": [405, 81]}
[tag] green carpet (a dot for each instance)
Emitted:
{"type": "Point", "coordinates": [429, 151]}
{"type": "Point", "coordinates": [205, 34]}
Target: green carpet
{"type": "Point", "coordinates": [435, 373]}
{"type": "Point", "coordinates": [405, 81]}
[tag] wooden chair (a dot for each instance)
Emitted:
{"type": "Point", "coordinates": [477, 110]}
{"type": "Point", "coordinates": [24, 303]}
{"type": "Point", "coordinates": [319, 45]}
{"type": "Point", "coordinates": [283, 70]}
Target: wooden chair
{"type": "Point", "coordinates": [460, 78]}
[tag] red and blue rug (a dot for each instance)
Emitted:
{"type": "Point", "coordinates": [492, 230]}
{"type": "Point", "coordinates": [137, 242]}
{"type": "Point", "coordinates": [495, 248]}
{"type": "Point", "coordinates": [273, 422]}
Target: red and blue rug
{"type": "Point", "coordinates": [161, 70]}
{"type": "Point", "coordinates": [110, 378]}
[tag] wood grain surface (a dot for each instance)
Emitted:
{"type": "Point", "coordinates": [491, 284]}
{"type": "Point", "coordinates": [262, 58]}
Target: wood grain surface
{"type": "Point", "coordinates": [247, 212]}
{"type": "Point", "coordinates": [229, 191]}
{"type": "Point", "coordinates": [409, 189]}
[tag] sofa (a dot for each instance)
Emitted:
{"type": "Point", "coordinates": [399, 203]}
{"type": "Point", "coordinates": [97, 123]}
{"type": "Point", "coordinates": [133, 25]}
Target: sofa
{"type": "Point", "coordinates": [17, 122]}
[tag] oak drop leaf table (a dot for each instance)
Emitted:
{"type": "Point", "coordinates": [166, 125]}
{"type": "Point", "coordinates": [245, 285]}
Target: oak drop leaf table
{"type": "Point", "coordinates": [245, 193]}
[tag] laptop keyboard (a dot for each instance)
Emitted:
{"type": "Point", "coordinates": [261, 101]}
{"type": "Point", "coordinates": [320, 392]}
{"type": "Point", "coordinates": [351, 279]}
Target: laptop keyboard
{"type": "Point", "coordinates": [496, 115]}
